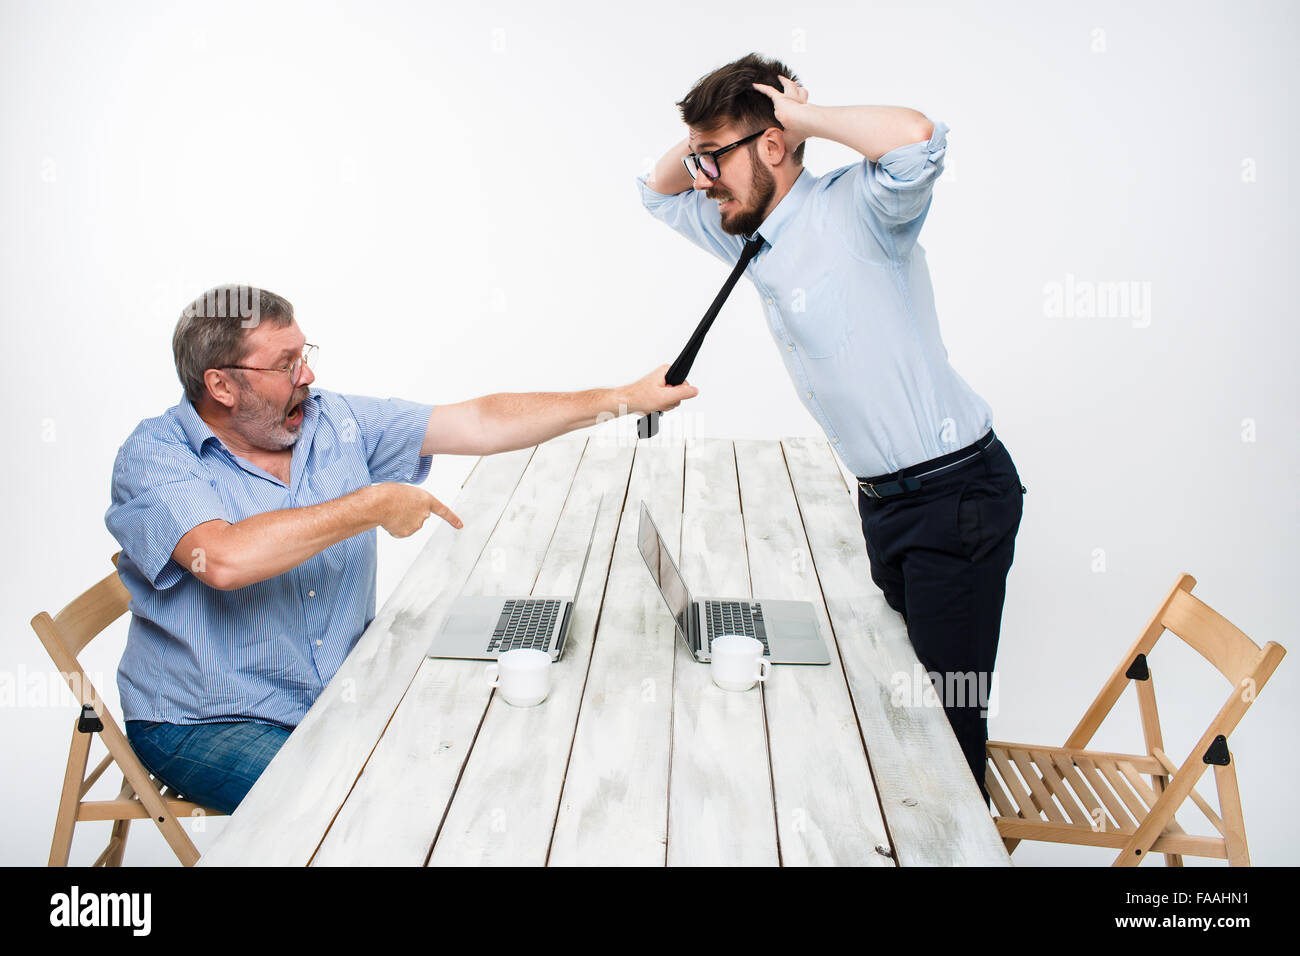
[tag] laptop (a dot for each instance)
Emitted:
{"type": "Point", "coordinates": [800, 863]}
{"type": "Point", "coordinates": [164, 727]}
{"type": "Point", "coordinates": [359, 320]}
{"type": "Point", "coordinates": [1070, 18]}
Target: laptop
{"type": "Point", "coordinates": [484, 628]}
{"type": "Point", "coordinates": [787, 629]}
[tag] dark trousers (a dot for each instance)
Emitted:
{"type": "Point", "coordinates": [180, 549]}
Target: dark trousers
{"type": "Point", "coordinates": [941, 555]}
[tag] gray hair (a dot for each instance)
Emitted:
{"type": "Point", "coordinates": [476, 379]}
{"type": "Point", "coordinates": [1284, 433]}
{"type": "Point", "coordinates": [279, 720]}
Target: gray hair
{"type": "Point", "coordinates": [212, 329]}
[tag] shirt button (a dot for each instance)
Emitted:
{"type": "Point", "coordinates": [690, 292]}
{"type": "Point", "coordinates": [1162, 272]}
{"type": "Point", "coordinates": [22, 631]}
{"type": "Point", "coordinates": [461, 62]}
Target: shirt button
{"type": "Point", "coordinates": [809, 394]}
{"type": "Point", "coordinates": [318, 643]}
{"type": "Point", "coordinates": [311, 593]}
{"type": "Point", "coordinates": [790, 347]}
{"type": "Point", "coordinates": [769, 300]}
{"type": "Point", "coordinates": [835, 441]}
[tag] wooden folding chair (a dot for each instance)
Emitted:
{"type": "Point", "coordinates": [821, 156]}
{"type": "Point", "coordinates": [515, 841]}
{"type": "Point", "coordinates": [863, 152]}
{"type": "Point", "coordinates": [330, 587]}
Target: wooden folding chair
{"type": "Point", "coordinates": [1072, 795]}
{"type": "Point", "coordinates": [141, 797]}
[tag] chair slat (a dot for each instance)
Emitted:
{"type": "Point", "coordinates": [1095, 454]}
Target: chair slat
{"type": "Point", "coordinates": [1027, 807]}
{"type": "Point", "coordinates": [1043, 799]}
{"type": "Point", "coordinates": [1124, 823]}
{"type": "Point", "coordinates": [1144, 762]}
{"type": "Point", "coordinates": [1052, 777]}
{"type": "Point", "coordinates": [1097, 816]}
{"type": "Point", "coordinates": [1122, 790]}
{"type": "Point", "coordinates": [999, 795]}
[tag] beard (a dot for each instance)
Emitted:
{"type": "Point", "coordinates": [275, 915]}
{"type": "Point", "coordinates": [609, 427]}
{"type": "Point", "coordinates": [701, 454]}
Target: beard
{"type": "Point", "coordinates": [262, 424]}
{"type": "Point", "coordinates": [763, 186]}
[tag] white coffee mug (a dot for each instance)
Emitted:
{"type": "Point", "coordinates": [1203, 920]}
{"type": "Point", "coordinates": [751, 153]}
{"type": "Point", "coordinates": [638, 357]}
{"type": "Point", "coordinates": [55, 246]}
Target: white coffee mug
{"type": "Point", "coordinates": [737, 662]}
{"type": "Point", "coordinates": [523, 676]}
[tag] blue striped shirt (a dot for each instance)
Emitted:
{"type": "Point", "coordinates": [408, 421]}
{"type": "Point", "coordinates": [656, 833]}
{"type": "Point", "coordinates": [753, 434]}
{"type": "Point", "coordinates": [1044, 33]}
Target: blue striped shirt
{"type": "Point", "coordinates": [195, 654]}
{"type": "Point", "coordinates": [847, 296]}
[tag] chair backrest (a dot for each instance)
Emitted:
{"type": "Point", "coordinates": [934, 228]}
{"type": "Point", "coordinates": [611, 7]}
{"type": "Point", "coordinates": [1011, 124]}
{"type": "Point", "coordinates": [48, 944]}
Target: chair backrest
{"type": "Point", "coordinates": [68, 632]}
{"type": "Point", "coordinates": [65, 635]}
{"type": "Point", "coordinates": [1234, 655]}
{"type": "Point", "coordinates": [1208, 632]}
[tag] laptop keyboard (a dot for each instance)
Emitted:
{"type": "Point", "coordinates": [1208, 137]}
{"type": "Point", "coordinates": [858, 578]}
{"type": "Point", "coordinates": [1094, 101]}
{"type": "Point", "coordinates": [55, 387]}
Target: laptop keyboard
{"type": "Point", "coordinates": [735, 617]}
{"type": "Point", "coordinates": [525, 624]}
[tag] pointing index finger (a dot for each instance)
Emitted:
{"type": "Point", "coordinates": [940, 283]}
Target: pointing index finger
{"type": "Point", "coordinates": [447, 514]}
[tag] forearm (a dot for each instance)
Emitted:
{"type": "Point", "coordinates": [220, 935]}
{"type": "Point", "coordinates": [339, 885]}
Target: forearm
{"type": "Point", "coordinates": [271, 543]}
{"type": "Point", "coordinates": [513, 420]}
{"type": "Point", "coordinates": [669, 176]}
{"type": "Point", "coordinates": [871, 130]}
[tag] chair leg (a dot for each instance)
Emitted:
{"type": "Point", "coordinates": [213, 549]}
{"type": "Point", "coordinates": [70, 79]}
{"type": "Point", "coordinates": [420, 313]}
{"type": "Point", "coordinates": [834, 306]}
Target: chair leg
{"type": "Point", "coordinates": [69, 801]}
{"type": "Point", "coordinates": [118, 838]}
{"type": "Point", "coordinates": [1234, 825]}
{"type": "Point", "coordinates": [1010, 844]}
{"type": "Point", "coordinates": [1158, 784]}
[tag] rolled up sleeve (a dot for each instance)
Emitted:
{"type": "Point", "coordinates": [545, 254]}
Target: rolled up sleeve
{"type": "Point", "coordinates": [392, 432]}
{"type": "Point", "coordinates": [161, 490]}
{"type": "Point", "coordinates": [896, 190]}
{"type": "Point", "coordinates": [693, 215]}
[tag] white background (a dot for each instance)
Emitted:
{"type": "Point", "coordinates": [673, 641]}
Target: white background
{"type": "Point", "coordinates": [446, 195]}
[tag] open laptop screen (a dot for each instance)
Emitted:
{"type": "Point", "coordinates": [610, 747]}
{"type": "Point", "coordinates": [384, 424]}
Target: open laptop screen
{"type": "Point", "coordinates": [664, 571]}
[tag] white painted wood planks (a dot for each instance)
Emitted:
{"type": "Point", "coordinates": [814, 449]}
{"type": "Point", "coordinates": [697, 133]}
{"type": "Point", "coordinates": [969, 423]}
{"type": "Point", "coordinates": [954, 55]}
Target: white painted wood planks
{"type": "Point", "coordinates": [827, 809]}
{"type": "Point", "coordinates": [930, 801]}
{"type": "Point", "coordinates": [282, 819]}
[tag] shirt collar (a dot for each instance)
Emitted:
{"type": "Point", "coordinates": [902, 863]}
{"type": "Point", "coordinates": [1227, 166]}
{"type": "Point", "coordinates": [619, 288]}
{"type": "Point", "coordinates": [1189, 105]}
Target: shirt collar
{"type": "Point", "coordinates": [790, 203]}
{"type": "Point", "coordinates": [195, 428]}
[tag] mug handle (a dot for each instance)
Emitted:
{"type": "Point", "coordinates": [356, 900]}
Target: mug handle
{"type": "Point", "coordinates": [492, 674]}
{"type": "Point", "coordinates": [764, 669]}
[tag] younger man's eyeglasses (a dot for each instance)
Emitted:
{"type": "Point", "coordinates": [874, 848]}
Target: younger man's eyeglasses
{"type": "Point", "coordinates": [707, 162]}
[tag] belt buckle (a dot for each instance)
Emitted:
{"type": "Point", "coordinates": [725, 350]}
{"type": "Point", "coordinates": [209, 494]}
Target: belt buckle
{"type": "Point", "coordinates": [902, 485]}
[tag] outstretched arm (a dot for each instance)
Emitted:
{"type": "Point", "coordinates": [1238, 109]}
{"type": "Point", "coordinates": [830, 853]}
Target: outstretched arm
{"type": "Point", "coordinates": [506, 421]}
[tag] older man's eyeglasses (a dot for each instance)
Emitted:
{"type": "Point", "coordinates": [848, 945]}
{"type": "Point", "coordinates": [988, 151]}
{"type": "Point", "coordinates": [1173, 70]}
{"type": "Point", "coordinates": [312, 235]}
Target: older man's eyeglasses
{"type": "Point", "coordinates": [707, 162]}
{"type": "Point", "coordinates": [293, 369]}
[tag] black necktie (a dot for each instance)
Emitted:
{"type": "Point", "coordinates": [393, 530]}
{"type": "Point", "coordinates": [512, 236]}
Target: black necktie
{"type": "Point", "coordinates": [648, 426]}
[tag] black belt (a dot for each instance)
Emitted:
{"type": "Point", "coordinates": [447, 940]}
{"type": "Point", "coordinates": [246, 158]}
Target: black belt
{"type": "Point", "coordinates": [909, 479]}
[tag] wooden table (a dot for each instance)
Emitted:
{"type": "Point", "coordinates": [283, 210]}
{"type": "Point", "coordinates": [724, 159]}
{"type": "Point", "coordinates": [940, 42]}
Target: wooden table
{"type": "Point", "coordinates": [635, 757]}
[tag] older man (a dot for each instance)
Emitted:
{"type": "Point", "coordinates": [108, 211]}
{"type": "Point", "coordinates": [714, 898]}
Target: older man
{"type": "Point", "coordinates": [847, 297]}
{"type": "Point", "coordinates": [246, 517]}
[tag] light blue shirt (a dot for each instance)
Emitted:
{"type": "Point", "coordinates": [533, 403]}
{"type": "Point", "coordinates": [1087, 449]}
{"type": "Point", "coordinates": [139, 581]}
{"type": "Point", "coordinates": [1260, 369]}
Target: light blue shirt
{"type": "Point", "coordinates": [847, 296]}
{"type": "Point", "coordinates": [195, 654]}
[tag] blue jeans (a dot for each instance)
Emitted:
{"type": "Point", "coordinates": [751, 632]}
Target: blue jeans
{"type": "Point", "coordinates": [214, 765]}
